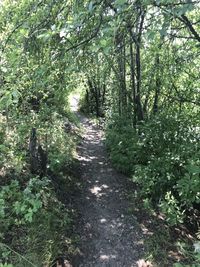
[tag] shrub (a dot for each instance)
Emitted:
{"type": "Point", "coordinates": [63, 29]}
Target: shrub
{"type": "Point", "coordinates": [162, 156]}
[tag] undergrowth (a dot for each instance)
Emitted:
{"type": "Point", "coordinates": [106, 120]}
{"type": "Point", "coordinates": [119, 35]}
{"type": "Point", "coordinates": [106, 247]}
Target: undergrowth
{"type": "Point", "coordinates": [162, 157]}
{"type": "Point", "coordinates": [36, 213]}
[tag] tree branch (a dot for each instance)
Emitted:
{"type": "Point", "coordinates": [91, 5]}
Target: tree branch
{"type": "Point", "coordinates": [89, 38]}
{"type": "Point", "coordinates": [189, 25]}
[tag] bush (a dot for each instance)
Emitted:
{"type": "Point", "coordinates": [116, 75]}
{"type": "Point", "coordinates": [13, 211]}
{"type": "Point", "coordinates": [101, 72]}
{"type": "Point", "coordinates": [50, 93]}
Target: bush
{"type": "Point", "coordinates": [163, 158]}
{"type": "Point", "coordinates": [33, 218]}
{"type": "Point", "coordinates": [35, 221]}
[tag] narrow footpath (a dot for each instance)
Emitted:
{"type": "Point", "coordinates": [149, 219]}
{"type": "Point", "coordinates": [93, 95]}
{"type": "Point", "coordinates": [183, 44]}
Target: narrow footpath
{"type": "Point", "coordinates": [110, 235]}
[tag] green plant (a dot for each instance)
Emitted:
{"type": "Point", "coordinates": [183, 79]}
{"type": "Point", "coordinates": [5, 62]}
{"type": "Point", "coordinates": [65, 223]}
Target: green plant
{"type": "Point", "coordinates": [194, 256]}
{"type": "Point", "coordinates": [162, 156]}
{"type": "Point", "coordinates": [6, 265]}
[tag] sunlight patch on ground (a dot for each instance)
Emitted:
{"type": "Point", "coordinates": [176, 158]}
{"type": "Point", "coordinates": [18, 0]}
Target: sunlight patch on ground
{"type": "Point", "coordinates": [140, 242]}
{"type": "Point", "coordinates": [97, 190]}
{"type": "Point", "coordinates": [82, 158]}
{"type": "Point", "coordinates": [107, 257]}
{"type": "Point", "coordinates": [103, 220]}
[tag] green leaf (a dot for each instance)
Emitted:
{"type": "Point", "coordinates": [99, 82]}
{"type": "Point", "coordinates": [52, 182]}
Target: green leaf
{"type": "Point", "coordinates": [106, 50]}
{"type": "Point", "coordinates": [193, 169]}
{"type": "Point", "coordinates": [90, 6]}
{"type": "Point", "coordinates": [94, 48]}
{"type": "Point", "coordinates": [151, 35]}
{"type": "Point", "coordinates": [120, 2]}
{"type": "Point", "coordinates": [163, 32]}
{"type": "Point", "coordinates": [29, 216]}
{"type": "Point", "coordinates": [103, 43]}
{"type": "Point", "coordinates": [6, 265]}
{"type": "Point", "coordinates": [184, 9]}
{"type": "Point", "coordinates": [45, 36]}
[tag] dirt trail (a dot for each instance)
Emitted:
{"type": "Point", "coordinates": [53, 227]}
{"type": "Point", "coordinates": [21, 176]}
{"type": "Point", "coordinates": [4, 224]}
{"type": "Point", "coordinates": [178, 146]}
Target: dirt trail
{"type": "Point", "coordinates": [110, 236]}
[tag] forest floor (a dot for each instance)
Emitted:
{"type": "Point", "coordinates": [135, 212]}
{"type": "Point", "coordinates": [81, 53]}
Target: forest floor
{"type": "Point", "coordinates": [109, 234]}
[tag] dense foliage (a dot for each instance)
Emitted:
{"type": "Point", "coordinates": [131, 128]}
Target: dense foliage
{"type": "Point", "coordinates": [138, 62]}
{"type": "Point", "coordinates": [163, 157]}
{"type": "Point", "coordinates": [36, 153]}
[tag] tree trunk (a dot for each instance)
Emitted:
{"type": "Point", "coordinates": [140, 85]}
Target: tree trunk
{"type": "Point", "coordinates": [137, 41]}
{"type": "Point", "coordinates": [158, 85]}
{"type": "Point", "coordinates": [140, 114]}
{"type": "Point", "coordinates": [122, 75]}
{"type": "Point", "coordinates": [133, 85]}
{"type": "Point", "coordinates": [33, 152]}
{"type": "Point", "coordinates": [38, 156]}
